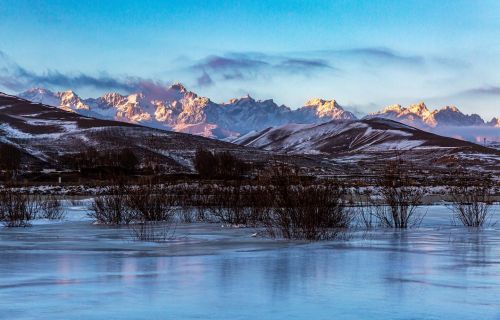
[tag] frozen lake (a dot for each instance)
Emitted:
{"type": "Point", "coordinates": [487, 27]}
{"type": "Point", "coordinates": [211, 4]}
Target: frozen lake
{"type": "Point", "coordinates": [76, 270]}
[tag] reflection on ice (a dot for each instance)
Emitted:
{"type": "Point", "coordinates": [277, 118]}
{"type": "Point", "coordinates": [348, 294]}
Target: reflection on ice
{"type": "Point", "coordinates": [74, 268]}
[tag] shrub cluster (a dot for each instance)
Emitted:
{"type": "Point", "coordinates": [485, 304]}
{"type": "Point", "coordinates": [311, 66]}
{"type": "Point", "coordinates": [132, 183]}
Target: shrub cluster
{"type": "Point", "coordinates": [19, 209]}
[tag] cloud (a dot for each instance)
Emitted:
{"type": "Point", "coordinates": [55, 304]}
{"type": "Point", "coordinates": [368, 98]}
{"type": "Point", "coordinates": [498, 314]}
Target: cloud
{"type": "Point", "coordinates": [384, 55]}
{"type": "Point", "coordinates": [258, 65]}
{"type": "Point", "coordinates": [297, 64]}
{"type": "Point", "coordinates": [483, 91]}
{"type": "Point", "coordinates": [228, 63]}
{"type": "Point", "coordinates": [15, 77]}
{"type": "Point", "coordinates": [204, 80]}
{"type": "Point", "coordinates": [250, 66]}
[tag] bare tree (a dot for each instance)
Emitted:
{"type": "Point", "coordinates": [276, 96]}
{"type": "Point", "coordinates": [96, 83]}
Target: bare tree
{"type": "Point", "coordinates": [304, 210]}
{"type": "Point", "coordinates": [17, 209]}
{"type": "Point", "coordinates": [151, 202]}
{"type": "Point", "coordinates": [111, 207]}
{"type": "Point", "coordinates": [51, 208]}
{"type": "Point", "coordinates": [401, 196]}
{"type": "Point", "coordinates": [471, 197]}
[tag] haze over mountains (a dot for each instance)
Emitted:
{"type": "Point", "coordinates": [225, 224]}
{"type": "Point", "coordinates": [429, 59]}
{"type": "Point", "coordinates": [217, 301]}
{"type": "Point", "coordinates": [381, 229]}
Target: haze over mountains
{"type": "Point", "coordinates": [177, 109]}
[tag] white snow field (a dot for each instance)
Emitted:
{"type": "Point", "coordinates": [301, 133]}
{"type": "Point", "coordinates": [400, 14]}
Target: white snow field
{"type": "Point", "coordinates": [77, 270]}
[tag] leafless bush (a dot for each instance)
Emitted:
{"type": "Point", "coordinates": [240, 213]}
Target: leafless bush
{"type": "Point", "coordinates": [51, 208]}
{"type": "Point", "coordinates": [400, 197]}
{"type": "Point", "coordinates": [259, 202]}
{"type": "Point", "coordinates": [151, 202]}
{"type": "Point", "coordinates": [111, 208]}
{"type": "Point", "coordinates": [236, 203]}
{"type": "Point", "coordinates": [310, 212]}
{"type": "Point", "coordinates": [364, 209]}
{"type": "Point", "coordinates": [471, 198]}
{"type": "Point", "coordinates": [185, 214]}
{"type": "Point", "coordinates": [16, 209]}
{"type": "Point", "coordinates": [228, 205]}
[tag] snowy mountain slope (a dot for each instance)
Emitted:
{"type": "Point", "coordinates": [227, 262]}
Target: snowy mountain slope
{"type": "Point", "coordinates": [46, 133]}
{"type": "Point", "coordinates": [352, 136]}
{"type": "Point", "coordinates": [180, 110]}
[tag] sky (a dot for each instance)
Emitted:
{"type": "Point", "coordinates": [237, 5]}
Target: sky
{"type": "Point", "coordinates": [364, 54]}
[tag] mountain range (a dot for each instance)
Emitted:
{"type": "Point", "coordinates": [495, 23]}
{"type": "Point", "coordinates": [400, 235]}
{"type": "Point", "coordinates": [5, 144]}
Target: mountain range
{"type": "Point", "coordinates": [177, 109]}
{"type": "Point", "coordinates": [47, 135]}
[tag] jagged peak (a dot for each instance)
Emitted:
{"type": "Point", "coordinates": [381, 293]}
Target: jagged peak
{"type": "Point", "coordinates": [112, 95]}
{"type": "Point", "coordinates": [449, 108]}
{"type": "Point", "coordinates": [178, 87]}
{"type": "Point", "coordinates": [418, 108]}
{"type": "Point", "coordinates": [67, 93]}
{"type": "Point", "coordinates": [135, 97]}
{"type": "Point", "coordinates": [495, 122]}
{"type": "Point", "coordinates": [244, 99]}
{"type": "Point", "coordinates": [317, 102]}
{"type": "Point", "coordinates": [38, 90]}
{"type": "Point", "coordinates": [392, 108]}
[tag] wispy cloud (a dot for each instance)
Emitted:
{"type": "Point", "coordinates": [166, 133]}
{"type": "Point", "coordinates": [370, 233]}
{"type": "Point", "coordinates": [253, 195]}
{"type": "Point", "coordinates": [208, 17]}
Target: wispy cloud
{"type": "Point", "coordinates": [381, 54]}
{"type": "Point", "coordinates": [483, 91]}
{"type": "Point", "coordinates": [258, 65]}
{"type": "Point", "coordinates": [250, 66]}
{"type": "Point", "coordinates": [17, 78]}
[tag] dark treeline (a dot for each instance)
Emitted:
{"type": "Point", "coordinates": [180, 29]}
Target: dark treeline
{"type": "Point", "coordinates": [121, 160]}
{"type": "Point", "coordinates": [10, 157]}
{"type": "Point", "coordinates": [219, 165]}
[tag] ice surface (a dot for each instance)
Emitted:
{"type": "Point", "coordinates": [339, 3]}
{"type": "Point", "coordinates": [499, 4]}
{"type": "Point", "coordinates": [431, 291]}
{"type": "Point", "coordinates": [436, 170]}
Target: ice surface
{"type": "Point", "coordinates": [74, 269]}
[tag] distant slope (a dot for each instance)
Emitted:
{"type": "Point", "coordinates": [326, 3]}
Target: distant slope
{"type": "Point", "coordinates": [371, 142]}
{"type": "Point", "coordinates": [350, 136]}
{"type": "Point", "coordinates": [44, 134]}
{"type": "Point", "coordinates": [448, 121]}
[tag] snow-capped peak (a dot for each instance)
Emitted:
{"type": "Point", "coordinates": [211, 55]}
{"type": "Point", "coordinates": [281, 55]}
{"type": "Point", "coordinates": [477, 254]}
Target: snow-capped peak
{"type": "Point", "coordinates": [178, 87]}
{"type": "Point", "coordinates": [392, 108]}
{"type": "Point", "coordinates": [450, 108]}
{"type": "Point", "coordinates": [420, 116]}
{"type": "Point", "coordinates": [418, 108]}
{"type": "Point", "coordinates": [325, 109]}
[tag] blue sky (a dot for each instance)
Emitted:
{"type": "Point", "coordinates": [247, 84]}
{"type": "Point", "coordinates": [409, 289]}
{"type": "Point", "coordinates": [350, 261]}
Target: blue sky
{"type": "Point", "coordinates": [364, 54]}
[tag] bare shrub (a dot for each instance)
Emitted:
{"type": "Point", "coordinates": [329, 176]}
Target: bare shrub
{"type": "Point", "coordinates": [185, 214]}
{"type": "Point", "coordinates": [111, 208]}
{"type": "Point", "coordinates": [365, 209]}
{"type": "Point", "coordinates": [202, 200]}
{"type": "Point", "coordinates": [228, 204]}
{"type": "Point", "coordinates": [471, 197]}
{"type": "Point", "coordinates": [151, 202]}
{"type": "Point", "coordinates": [51, 208]}
{"type": "Point", "coordinates": [152, 207]}
{"type": "Point", "coordinates": [259, 202]}
{"type": "Point", "coordinates": [16, 209]}
{"type": "Point", "coordinates": [310, 212]}
{"type": "Point", "coordinates": [400, 197]}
